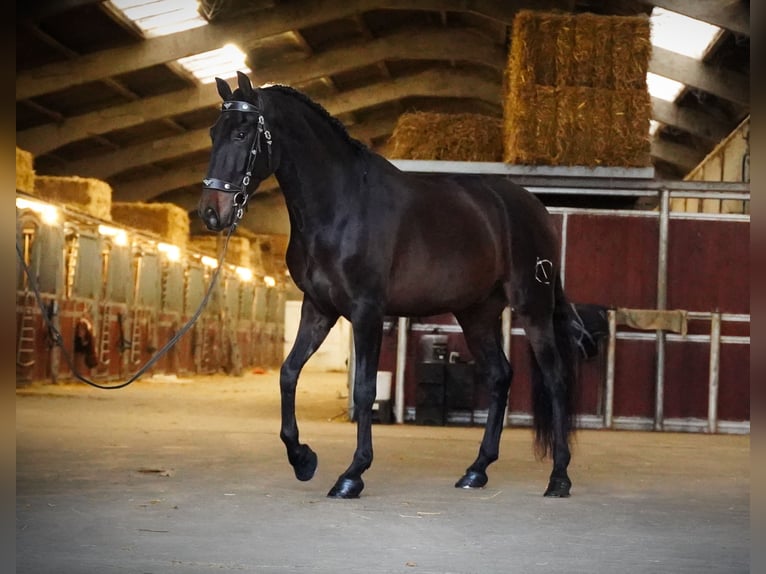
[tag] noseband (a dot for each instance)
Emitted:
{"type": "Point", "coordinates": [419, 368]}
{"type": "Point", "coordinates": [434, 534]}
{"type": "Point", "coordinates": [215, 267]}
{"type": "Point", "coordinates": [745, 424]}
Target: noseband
{"type": "Point", "coordinates": [240, 191]}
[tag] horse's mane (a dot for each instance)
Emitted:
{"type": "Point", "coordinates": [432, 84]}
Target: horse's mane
{"type": "Point", "coordinates": [317, 107]}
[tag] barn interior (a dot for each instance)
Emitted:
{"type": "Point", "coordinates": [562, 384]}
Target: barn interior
{"type": "Point", "coordinates": [114, 104]}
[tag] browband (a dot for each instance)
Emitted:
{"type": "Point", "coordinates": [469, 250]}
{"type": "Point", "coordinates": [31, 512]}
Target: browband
{"type": "Point", "coordinates": [237, 106]}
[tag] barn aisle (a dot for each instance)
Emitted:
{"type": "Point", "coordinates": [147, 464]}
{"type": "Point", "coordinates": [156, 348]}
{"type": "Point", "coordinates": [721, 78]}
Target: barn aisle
{"type": "Point", "coordinates": [190, 476]}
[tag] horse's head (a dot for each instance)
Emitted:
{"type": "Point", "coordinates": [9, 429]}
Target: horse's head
{"type": "Point", "coordinates": [240, 157]}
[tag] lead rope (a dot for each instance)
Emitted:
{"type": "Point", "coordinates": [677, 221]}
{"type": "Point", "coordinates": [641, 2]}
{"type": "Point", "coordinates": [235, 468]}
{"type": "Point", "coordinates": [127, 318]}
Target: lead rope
{"type": "Point", "coordinates": [58, 339]}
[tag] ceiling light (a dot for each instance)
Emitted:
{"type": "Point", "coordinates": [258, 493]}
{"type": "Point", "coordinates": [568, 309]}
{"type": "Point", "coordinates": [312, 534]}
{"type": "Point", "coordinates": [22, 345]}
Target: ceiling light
{"type": "Point", "coordinates": [244, 273]}
{"type": "Point", "coordinates": [161, 17]}
{"type": "Point", "coordinates": [120, 236]}
{"type": "Point", "coordinates": [681, 34]}
{"type": "Point", "coordinates": [48, 213]}
{"type": "Point", "coordinates": [209, 262]}
{"type": "Point", "coordinates": [223, 63]}
{"type": "Point", "coordinates": [662, 87]}
{"type": "Point", "coordinates": [172, 252]}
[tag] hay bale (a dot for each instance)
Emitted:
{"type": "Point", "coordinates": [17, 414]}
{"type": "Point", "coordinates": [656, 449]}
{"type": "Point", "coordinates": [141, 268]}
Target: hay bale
{"type": "Point", "coordinates": [91, 196]}
{"type": "Point", "coordinates": [25, 172]}
{"type": "Point", "coordinates": [167, 220]}
{"type": "Point", "coordinates": [592, 52]}
{"type": "Point", "coordinates": [631, 53]}
{"type": "Point", "coordinates": [575, 133]}
{"type": "Point", "coordinates": [456, 137]}
{"type": "Point", "coordinates": [237, 253]}
{"type": "Point", "coordinates": [531, 128]}
{"type": "Point", "coordinates": [629, 133]}
{"type": "Point", "coordinates": [576, 90]}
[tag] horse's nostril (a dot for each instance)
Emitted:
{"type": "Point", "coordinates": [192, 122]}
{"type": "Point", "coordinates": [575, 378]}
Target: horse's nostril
{"type": "Point", "coordinates": [211, 217]}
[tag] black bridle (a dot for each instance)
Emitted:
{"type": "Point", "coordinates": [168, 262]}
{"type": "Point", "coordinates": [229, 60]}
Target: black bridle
{"type": "Point", "coordinates": [241, 195]}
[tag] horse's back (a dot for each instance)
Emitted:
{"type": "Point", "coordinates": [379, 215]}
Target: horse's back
{"type": "Point", "coordinates": [446, 242]}
{"type": "Point", "coordinates": [462, 236]}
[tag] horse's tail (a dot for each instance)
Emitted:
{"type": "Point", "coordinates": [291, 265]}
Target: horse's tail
{"type": "Point", "coordinates": [542, 407]}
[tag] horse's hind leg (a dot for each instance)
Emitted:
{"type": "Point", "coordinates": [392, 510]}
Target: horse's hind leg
{"type": "Point", "coordinates": [482, 330]}
{"type": "Point", "coordinates": [552, 380]}
{"type": "Point", "coordinates": [312, 330]}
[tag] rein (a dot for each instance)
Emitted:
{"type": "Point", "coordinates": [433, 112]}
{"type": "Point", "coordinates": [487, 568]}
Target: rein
{"type": "Point", "coordinates": [240, 191]}
{"type": "Point", "coordinates": [58, 339]}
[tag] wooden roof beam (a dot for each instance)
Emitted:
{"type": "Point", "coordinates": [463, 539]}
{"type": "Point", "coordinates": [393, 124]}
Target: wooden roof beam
{"type": "Point", "coordinates": [106, 165]}
{"type": "Point", "coordinates": [725, 84]}
{"type": "Point", "coordinates": [695, 122]}
{"type": "Point", "coordinates": [243, 32]}
{"type": "Point", "coordinates": [680, 155]}
{"type": "Point", "coordinates": [434, 44]}
{"type": "Point", "coordinates": [432, 83]}
{"type": "Point", "coordinates": [731, 15]}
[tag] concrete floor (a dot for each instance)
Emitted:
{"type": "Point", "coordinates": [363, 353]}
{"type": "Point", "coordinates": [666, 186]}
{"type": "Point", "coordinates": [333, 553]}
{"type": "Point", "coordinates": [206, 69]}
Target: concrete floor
{"type": "Point", "coordinates": [191, 477]}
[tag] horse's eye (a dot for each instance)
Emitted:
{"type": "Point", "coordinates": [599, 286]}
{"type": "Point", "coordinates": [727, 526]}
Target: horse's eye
{"type": "Point", "coordinates": [241, 136]}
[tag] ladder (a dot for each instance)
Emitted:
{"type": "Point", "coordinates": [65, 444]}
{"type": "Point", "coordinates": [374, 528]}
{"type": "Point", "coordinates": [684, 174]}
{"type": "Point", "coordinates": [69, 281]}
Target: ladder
{"type": "Point", "coordinates": [25, 346]}
{"type": "Point", "coordinates": [105, 343]}
{"type": "Point", "coordinates": [135, 339]}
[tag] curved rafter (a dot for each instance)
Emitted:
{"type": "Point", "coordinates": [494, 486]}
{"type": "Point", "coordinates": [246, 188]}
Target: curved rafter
{"type": "Point", "coordinates": [450, 42]}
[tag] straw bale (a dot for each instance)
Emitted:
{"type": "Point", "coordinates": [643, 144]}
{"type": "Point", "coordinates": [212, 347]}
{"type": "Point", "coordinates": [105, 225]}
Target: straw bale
{"type": "Point", "coordinates": [579, 126]}
{"type": "Point", "coordinates": [632, 50]}
{"type": "Point", "coordinates": [601, 141]}
{"type": "Point", "coordinates": [575, 136]}
{"type": "Point", "coordinates": [238, 252]}
{"type": "Point", "coordinates": [530, 127]}
{"type": "Point", "coordinates": [167, 220]}
{"type": "Point", "coordinates": [91, 196]}
{"type": "Point", "coordinates": [547, 54]}
{"type": "Point", "coordinates": [25, 172]}
{"type": "Point", "coordinates": [591, 51]}
{"type": "Point", "coordinates": [521, 59]}
{"type": "Point", "coordinates": [631, 110]}
{"type": "Point", "coordinates": [457, 137]}
{"type": "Point", "coordinates": [575, 90]}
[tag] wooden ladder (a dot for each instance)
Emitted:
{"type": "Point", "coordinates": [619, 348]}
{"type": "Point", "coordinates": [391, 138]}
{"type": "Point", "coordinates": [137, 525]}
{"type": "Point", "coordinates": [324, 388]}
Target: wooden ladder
{"type": "Point", "coordinates": [25, 346]}
{"type": "Point", "coordinates": [135, 339]}
{"type": "Point", "coordinates": [105, 343]}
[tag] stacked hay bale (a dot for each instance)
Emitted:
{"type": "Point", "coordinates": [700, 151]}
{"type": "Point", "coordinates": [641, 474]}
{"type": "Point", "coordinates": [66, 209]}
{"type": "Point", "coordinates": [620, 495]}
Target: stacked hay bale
{"type": "Point", "coordinates": [87, 195]}
{"type": "Point", "coordinates": [456, 137]}
{"type": "Point", "coordinates": [166, 220]}
{"type": "Point", "coordinates": [25, 171]}
{"type": "Point", "coordinates": [576, 90]}
{"type": "Point", "coordinates": [238, 251]}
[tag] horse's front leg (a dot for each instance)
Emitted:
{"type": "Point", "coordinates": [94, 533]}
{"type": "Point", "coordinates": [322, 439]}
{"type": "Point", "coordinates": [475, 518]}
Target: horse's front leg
{"type": "Point", "coordinates": [368, 332]}
{"type": "Point", "coordinates": [312, 330]}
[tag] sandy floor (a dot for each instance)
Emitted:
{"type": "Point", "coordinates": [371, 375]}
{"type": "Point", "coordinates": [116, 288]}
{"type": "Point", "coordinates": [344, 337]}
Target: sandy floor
{"type": "Point", "coordinates": [191, 477]}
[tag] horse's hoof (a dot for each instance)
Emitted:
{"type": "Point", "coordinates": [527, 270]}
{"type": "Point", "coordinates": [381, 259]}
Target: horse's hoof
{"type": "Point", "coordinates": [472, 479]}
{"type": "Point", "coordinates": [558, 487]}
{"type": "Point", "coordinates": [306, 464]}
{"type": "Point", "coordinates": [346, 488]}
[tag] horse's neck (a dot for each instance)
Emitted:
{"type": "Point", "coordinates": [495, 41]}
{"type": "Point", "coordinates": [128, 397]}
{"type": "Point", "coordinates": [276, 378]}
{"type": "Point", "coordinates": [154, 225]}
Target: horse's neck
{"type": "Point", "coordinates": [317, 169]}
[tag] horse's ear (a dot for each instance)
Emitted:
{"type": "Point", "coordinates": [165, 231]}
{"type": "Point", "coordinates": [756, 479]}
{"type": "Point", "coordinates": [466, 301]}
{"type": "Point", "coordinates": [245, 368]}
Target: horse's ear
{"type": "Point", "coordinates": [244, 83]}
{"type": "Point", "coordinates": [223, 89]}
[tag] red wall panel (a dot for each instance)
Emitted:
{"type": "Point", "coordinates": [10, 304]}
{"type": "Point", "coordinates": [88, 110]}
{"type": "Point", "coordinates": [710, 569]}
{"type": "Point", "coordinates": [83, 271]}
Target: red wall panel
{"type": "Point", "coordinates": [612, 260]}
{"type": "Point", "coordinates": [734, 383]}
{"type": "Point", "coordinates": [686, 379]}
{"type": "Point", "coordinates": [709, 266]}
{"type": "Point", "coordinates": [634, 378]}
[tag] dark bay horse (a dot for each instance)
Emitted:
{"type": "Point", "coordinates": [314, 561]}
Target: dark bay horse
{"type": "Point", "coordinates": [368, 240]}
